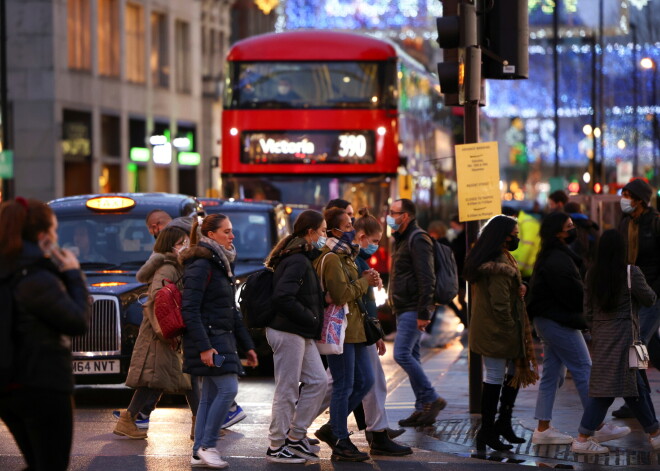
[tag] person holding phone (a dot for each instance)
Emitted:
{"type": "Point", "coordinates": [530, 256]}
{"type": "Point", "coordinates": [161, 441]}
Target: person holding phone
{"type": "Point", "coordinates": [214, 327]}
{"type": "Point", "coordinates": [50, 303]}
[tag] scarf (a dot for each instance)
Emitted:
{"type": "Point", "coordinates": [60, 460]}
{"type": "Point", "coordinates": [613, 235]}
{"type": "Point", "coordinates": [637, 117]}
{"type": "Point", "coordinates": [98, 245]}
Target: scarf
{"type": "Point", "coordinates": [339, 246]}
{"type": "Point", "coordinates": [226, 255]}
{"type": "Point", "coordinates": [527, 369]}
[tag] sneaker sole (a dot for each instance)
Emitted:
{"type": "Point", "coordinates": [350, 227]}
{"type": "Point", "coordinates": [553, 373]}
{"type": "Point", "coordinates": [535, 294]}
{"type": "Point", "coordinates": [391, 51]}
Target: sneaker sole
{"type": "Point", "coordinates": [214, 466]}
{"type": "Point", "coordinates": [553, 441]}
{"type": "Point", "coordinates": [234, 421]}
{"type": "Point", "coordinates": [303, 455]}
{"type": "Point", "coordinates": [589, 452]}
{"type": "Point", "coordinates": [273, 459]}
{"type": "Point", "coordinates": [122, 434]}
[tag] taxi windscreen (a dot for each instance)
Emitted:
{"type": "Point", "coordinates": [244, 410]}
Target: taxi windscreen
{"type": "Point", "coordinates": [110, 241]}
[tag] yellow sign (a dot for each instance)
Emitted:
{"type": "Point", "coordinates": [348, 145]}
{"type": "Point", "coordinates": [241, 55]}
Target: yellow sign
{"type": "Point", "coordinates": [478, 177]}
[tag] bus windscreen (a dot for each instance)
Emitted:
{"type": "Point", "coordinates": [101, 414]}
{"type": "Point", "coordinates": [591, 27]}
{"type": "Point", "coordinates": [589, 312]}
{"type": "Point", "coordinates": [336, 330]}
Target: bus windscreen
{"type": "Point", "coordinates": [311, 85]}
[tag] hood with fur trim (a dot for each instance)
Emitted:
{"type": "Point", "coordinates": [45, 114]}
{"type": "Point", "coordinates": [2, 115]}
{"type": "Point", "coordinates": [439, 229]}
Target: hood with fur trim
{"type": "Point", "coordinates": [498, 268]}
{"type": "Point", "coordinates": [155, 261]}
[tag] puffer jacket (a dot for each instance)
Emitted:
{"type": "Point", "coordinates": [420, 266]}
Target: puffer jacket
{"type": "Point", "coordinates": [210, 314]}
{"type": "Point", "coordinates": [297, 294]}
{"type": "Point", "coordinates": [648, 252]}
{"type": "Point", "coordinates": [153, 363]}
{"type": "Point", "coordinates": [50, 306]}
{"type": "Point", "coordinates": [497, 325]}
{"type": "Point", "coordinates": [338, 271]}
{"type": "Point", "coordinates": [412, 278]}
{"type": "Point", "coordinates": [556, 290]}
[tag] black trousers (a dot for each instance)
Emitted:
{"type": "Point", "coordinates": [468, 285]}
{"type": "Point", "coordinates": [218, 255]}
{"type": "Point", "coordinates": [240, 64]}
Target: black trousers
{"type": "Point", "coordinates": [41, 421]}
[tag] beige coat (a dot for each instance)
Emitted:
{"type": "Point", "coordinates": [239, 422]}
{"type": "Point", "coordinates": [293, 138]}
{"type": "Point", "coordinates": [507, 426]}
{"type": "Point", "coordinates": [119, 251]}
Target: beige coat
{"type": "Point", "coordinates": [154, 364]}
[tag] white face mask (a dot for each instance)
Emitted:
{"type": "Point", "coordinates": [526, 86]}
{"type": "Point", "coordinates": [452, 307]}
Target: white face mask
{"type": "Point", "coordinates": [283, 90]}
{"type": "Point", "coordinates": [626, 206]}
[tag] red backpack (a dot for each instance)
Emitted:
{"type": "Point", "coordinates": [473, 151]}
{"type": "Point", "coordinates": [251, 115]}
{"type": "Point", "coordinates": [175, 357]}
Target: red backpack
{"type": "Point", "coordinates": [167, 309]}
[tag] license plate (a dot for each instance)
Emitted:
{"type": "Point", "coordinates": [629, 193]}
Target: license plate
{"type": "Point", "coordinates": [95, 367]}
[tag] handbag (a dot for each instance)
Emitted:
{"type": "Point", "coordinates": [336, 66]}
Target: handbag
{"type": "Point", "coordinates": [638, 355]}
{"type": "Point", "coordinates": [334, 326]}
{"type": "Point", "coordinates": [372, 329]}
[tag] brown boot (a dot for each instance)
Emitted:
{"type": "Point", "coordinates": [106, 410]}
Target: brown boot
{"type": "Point", "coordinates": [192, 428]}
{"type": "Point", "coordinates": [126, 426]}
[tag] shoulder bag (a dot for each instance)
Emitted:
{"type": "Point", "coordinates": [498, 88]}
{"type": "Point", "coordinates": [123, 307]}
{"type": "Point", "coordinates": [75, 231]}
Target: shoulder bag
{"type": "Point", "coordinates": [334, 326]}
{"type": "Point", "coordinates": [638, 355]}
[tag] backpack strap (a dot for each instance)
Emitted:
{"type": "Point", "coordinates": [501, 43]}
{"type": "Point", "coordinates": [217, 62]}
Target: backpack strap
{"type": "Point", "coordinates": [412, 236]}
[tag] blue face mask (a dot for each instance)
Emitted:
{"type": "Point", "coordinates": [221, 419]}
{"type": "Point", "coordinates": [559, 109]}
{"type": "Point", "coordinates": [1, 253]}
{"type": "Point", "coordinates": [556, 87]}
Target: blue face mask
{"type": "Point", "coordinates": [320, 242]}
{"type": "Point", "coordinates": [348, 236]}
{"type": "Point", "coordinates": [370, 250]}
{"type": "Point", "coordinates": [393, 225]}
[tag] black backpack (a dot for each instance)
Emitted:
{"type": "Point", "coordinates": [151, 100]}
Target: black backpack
{"type": "Point", "coordinates": [255, 299]}
{"type": "Point", "coordinates": [446, 271]}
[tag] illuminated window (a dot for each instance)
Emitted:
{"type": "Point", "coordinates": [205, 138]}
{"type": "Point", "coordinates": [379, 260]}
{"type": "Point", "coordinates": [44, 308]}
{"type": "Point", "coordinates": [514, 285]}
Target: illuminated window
{"type": "Point", "coordinates": [108, 37]}
{"type": "Point", "coordinates": [135, 43]}
{"type": "Point", "coordinates": [78, 35]}
{"type": "Point", "coordinates": [182, 50]}
{"type": "Point", "coordinates": [160, 72]}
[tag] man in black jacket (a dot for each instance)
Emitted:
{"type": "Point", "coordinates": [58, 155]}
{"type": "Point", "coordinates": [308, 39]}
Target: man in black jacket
{"type": "Point", "coordinates": [640, 228]}
{"type": "Point", "coordinates": [411, 288]}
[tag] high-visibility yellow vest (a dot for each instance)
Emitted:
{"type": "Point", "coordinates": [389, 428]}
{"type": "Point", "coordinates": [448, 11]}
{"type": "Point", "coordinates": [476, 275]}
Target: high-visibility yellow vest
{"type": "Point", "coordinates": [530, 242]}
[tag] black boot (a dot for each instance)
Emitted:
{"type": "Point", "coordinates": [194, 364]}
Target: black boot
{"type": "Point", "coordinates": [381, 444]}
{"type": "Point", "coordinates": [487, 434]}
{"type": "Point", "coordinates": [325, 435]}
{"type": "Point", "coordinates": [344, 450]}
{"type": "Point", "coordinates": [503, 422]}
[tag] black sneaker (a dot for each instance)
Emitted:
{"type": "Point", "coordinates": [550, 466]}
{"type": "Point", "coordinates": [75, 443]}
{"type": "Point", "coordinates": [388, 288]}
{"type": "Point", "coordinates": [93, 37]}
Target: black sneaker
{"type": "Point", "coordinates": [283, 455]}
{"type": "Point", "coordinates": [345, 450]}
{"type": "Point", "coordinates": [411, 420]}
{"type": "Point", "coordinates": [325, 435]}
{"type": "Point", "coordinates": [300, 448]}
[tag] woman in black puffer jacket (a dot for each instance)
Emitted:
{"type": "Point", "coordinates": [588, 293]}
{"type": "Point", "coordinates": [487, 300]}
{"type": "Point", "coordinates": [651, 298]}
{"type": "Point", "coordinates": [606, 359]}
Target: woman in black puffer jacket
{"type": "Point", "coordinates": [50, 303]}
{"type": "Point", "coordinates": [213, 327]}
{"type": "Point", "coordinates": [298, 302]}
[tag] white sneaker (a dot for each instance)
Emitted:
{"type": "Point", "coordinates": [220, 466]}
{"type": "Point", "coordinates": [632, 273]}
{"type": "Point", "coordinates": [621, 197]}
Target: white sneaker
{"type": "Point", "coordinates": [590, 447]}
{"type": "Point", "coordinates": [196, 462]}
{"type": "Point", "coordinates": [655, 441]}
{"type": "Point", "coordinates": [211, 458]}
{"type": "Point", "coordinates": [610, 432]}
{"type": "Point", "coordinates": [551, 436]}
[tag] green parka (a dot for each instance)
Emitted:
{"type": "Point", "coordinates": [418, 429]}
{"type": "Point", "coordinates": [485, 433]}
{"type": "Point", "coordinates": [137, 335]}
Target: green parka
{"type": "Point", "coordinates": [497, 324]}
{"type": "Point", "coordinates": [342, 290]}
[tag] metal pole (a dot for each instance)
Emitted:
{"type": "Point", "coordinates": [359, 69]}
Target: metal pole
{"type": "Point", "coordinates": [555, 67]}
{"type": "Point", "coordinates": [601, 91]}
{"type": "Point", "coordinates": [633, 28]}
{"type": "Point", "coordinates": [594, 119]}
{"type": "Point", "coordinates": [471, 136]}
{"type": "Point", "coordinates": [7, 184]}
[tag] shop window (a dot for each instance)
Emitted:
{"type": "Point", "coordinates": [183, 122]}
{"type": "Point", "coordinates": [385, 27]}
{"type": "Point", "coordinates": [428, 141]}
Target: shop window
{"type": "Point", "coordinates": [110, 136]}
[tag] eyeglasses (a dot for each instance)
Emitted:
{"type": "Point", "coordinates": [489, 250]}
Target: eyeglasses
{"type": "Point", "coordinates": [394, 213]}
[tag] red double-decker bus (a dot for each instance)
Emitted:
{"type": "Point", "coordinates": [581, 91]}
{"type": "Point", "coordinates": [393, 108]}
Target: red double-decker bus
{"type": "Point", "coordinates": [314, 115]}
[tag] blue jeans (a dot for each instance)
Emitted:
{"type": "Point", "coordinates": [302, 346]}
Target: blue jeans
{"type": "Point", "coordinates": [218, 393]}
{"type": "Point", "coordinates": [352, 378]}
{"type": "Point", "coordinates": [649, 319]}
{"type": "Point", "coordinates": [563, 348]}
{"type": "Point", "coordinates": [407, 355]}
{"type": "Point", "coordinates": [641, 406]}
{"type": "Point", "coordinates": [496, 369]}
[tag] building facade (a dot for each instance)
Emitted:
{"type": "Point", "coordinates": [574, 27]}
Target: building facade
{"type": "Point", "coordinates": [115, 95]}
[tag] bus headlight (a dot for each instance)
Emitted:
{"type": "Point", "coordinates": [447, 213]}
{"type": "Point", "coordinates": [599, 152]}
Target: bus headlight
{"type": "Point", "coordinates": [233, 132]}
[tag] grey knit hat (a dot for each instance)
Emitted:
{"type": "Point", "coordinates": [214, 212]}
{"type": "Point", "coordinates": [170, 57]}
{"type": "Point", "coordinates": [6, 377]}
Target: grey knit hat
{"type": "Point", "coordinates": [640, 190]}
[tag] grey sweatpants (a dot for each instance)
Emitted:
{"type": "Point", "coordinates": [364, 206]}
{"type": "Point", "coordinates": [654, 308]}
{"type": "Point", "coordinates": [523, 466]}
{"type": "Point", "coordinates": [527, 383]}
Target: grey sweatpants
{"type": "Point", "coordinates": [296, 360]}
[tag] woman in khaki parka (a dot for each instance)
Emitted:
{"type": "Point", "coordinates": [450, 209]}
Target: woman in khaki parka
{"type": "Point", "coordinates": [156, 362]}
{"type": "Point", "coordinates": [499, 329]}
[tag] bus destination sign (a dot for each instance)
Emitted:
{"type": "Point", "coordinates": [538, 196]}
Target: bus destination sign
{"type": "Point", "coordinates": [307, 147]}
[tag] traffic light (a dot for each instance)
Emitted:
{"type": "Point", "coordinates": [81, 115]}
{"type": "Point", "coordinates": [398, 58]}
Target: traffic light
{"type": "Point", "coordinates": [504, 39]}
{"type": "Point", "coordinates": [459, 72]}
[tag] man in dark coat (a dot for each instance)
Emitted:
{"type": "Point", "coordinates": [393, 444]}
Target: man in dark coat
{"type": "Point", "coordinates": [412, 284]}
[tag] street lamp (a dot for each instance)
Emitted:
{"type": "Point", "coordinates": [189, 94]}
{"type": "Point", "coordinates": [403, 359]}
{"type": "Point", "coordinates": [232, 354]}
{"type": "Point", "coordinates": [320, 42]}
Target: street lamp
{"type": "Point", "coordinates": [649, 64]}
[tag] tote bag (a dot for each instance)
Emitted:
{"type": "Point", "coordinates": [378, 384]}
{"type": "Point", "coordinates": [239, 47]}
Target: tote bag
{"type": "Point", "coordinates": [334, 325]}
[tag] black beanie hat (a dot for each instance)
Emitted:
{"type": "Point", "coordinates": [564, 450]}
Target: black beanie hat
{"type": "Point", "coordinates": [640, 190]}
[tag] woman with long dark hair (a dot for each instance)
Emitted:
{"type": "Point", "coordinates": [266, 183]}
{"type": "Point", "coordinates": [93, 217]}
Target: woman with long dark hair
{"type": "Point", "coordinates": [556, 307]}
{"type": "Point", "coordinates": [50, 303]}
{"type": "Point", "coordinates": [611, 307]}
{"type": "Point", "coordinates": [213, 328]}
{"type": "Point", "coordinates": [298, 303]}
{"type": "Point", "coordinates": [499, 329]}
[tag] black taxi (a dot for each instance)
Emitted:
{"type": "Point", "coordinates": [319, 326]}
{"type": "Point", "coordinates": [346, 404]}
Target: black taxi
{"type": "Point", "coordinates": [109, 235]}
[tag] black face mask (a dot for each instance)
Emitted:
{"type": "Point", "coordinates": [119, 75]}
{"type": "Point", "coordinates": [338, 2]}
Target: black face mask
{"type": "Point", "coordinates": [512, 244]}
{"type": "Point", "coordinates": [572, 235]}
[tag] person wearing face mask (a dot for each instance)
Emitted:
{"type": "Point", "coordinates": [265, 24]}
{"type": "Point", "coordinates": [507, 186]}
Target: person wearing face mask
{"type": "Point", "coordinates": [555, 303]}
{"type": "Point", "coordinates": [640, 228]}
{"type": "Point", "coordinates": [351, 371]}
{"type": "Point", "coordinates": [298, 302]}
{"type": "Point", "coordinates": [156, 362]}
{"type": "Point", "coordinates": [342, 204]}
{"type": "Point", "coordinates": [410, 293]}
{"type": "Point", "coordinates": [284, 91]}
{"type": "Point", "coordinates": [214, 327]}
{"type": "Point", "coordinates": [500, 331]}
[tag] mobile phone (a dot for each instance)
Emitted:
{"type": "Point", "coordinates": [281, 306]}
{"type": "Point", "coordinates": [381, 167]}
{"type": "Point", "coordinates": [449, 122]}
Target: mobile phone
{"type": "Point", "coordinates": [218, 360]}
